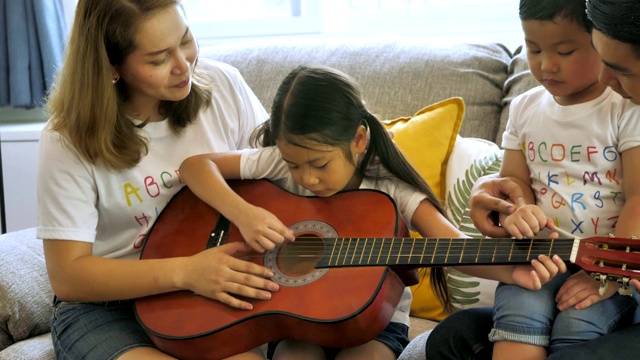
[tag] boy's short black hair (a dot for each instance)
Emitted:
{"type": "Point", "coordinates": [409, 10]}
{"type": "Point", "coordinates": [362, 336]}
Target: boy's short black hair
{"type": "Point", "coordinates": [549, 10]}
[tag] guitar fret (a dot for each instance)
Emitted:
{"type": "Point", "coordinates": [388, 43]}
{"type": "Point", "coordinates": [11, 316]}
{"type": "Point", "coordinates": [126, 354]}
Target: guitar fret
{"type": "Point", "coordinates": [333, 251]}
{"type": "Point", "coordinates": [511, 250]}
{"type": "Point", "coordinates": [435, 248]}
{"type": "Point", "coordinates": [495, 249]}
{"type": "Point", "coordinates": [411, 252]}
{"type": "Point", "coordinates": [462, 252]}
{"type": "Point", "coordinates": [353, 253]}
{"type": "Point", "coordinates": [364, 250]}
{"type": "Point", "coordinates": [379, 254]}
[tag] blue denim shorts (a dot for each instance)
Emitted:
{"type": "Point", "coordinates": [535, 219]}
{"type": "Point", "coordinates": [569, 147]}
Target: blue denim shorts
{"type": "Point", "coordinates": [395, 336]}
{"type": "Point", "coordinates": [95, 330]}
{"type": "Point", "coordinates": [532, 317]}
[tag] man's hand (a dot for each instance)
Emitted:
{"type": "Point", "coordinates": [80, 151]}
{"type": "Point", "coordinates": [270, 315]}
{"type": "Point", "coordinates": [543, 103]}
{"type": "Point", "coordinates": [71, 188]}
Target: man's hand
{"type": "Point", "coordinates": [488, 196]}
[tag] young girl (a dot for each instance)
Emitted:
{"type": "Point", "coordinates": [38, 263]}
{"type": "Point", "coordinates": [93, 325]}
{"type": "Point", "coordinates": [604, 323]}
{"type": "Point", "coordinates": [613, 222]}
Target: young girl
{"type": "Point", "coordinates": [319, 141]}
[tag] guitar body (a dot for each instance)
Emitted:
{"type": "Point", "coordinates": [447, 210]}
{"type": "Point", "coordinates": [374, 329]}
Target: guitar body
{"type": "Point", "coordinates": [338, 307]}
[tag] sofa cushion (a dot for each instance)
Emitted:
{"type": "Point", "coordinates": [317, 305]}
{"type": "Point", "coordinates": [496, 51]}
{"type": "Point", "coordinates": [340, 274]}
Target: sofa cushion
{"type": "Point", "coordinates": [25, 292]}
{"type": "Point", "coordinates": [38, 347]}
{"type": "Point", "coordinates": [427, 138]}
{"type": "Point", "coordinates": [398, 75]}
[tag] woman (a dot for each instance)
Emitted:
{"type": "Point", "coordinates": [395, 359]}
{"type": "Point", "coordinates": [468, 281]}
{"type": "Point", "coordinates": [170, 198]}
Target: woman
{"type": "Point", "coordinates": [130, 102]}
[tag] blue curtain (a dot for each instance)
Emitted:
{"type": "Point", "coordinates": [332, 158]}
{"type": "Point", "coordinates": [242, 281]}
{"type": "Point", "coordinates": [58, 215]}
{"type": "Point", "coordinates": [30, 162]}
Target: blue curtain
{"type": "Point", "coordinates": [32, 38]}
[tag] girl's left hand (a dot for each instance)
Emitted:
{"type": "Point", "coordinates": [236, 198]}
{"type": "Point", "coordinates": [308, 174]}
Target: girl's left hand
{"type": "Point", "coordinates": [582, 291]}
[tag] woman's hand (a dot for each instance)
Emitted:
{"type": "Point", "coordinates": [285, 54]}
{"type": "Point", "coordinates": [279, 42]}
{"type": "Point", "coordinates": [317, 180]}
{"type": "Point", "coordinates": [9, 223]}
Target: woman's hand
{"type": "Point", "coordinates": [219, 273]}
{"type": "Point", "coordinates": [488, 196]}
{"type": "Point", "coordinates": [540, 271]}
{"type": "Point", "coordinates": [581, 290]}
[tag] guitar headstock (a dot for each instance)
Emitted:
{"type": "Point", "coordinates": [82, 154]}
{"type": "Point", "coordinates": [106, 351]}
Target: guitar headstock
{"type": "Point", "coordinates": [610, 259]}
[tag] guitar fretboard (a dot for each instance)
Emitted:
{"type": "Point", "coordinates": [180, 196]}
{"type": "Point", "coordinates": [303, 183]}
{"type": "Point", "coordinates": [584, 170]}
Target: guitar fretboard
{"type": "Point", "coordinates": [343, 252]}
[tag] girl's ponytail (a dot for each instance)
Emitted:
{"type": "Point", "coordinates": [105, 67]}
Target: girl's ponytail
{"type": "Point", "coordinates": [381, 145]}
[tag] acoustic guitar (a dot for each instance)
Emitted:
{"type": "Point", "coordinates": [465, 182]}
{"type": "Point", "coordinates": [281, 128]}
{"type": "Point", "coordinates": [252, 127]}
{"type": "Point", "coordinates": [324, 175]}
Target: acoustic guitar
{"type": "Point", "coordinates": [340, 281]}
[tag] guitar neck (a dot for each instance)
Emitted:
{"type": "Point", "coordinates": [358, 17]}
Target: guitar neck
{"type": "Point", "coordinates": [350, 252]}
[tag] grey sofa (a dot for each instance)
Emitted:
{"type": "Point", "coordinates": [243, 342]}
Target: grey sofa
{"type": "Point", "coordinates": [399, 76]}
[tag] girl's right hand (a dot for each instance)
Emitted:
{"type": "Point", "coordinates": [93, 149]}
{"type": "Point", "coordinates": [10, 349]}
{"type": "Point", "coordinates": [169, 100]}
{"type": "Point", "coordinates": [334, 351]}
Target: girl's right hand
{"type": "Point", "coordinates": [220, 274]}
{"type": "Point", "coordinates": [262, 230]}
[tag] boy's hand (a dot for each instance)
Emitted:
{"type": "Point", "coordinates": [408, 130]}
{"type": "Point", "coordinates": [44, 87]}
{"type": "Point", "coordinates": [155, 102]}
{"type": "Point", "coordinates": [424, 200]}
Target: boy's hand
{"type": "Point", "coordinates": [540, 271]}
{"type": "Point", "coordinates": [526, 222]}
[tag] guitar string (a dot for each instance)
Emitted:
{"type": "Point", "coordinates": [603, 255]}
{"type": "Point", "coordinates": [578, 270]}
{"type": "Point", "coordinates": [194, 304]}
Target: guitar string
{"type": "Point", "coordinates": [432, 246]}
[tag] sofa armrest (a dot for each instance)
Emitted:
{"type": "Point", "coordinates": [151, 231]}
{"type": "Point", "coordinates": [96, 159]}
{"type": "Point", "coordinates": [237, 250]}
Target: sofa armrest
{"type": "Point", "coordinates": [25, 292]}
{"type": "Point", "coordinates": [39, 347]}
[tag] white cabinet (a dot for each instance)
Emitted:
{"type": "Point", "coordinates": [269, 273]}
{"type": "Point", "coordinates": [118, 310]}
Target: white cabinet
{"type": "Point", "coordinates": [19, 151]}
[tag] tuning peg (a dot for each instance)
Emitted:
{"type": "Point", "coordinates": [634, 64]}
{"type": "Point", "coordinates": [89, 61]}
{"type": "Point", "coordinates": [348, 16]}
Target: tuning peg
{"type": "Point", "coordinates": [625, 289]}
{"type": "Point", "coordinates": [603, 284]}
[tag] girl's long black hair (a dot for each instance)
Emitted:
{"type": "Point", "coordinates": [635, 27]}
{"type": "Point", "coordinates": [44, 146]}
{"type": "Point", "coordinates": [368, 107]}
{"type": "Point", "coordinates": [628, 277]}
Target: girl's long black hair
{"type": "Point", "coordinates": [323, 105]}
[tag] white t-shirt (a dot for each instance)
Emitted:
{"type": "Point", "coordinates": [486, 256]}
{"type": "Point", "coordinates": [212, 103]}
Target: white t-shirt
{"type": "Point", "coordinates": [267, 163]}
{"type": "Point", "coordinates": [573, 154]}
{"type": "Point", "coordinates": [115, 209]}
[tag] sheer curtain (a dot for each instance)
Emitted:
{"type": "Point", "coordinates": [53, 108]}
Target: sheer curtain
{"type": "Point", "coordinates": [32, 39]}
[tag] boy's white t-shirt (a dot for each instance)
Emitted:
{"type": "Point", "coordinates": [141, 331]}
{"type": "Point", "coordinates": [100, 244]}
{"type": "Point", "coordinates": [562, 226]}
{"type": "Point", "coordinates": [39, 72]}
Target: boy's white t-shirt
{"type": "Point", "coordinates": [115, 209]}
{"type": "Point", "coordinates": [267, 163]}
{"type": "Point", "coordinates": [574, 156]}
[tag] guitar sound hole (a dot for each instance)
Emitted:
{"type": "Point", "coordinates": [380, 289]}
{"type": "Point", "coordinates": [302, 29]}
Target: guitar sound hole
{"type": "Point", "coordinates": [299, 257]}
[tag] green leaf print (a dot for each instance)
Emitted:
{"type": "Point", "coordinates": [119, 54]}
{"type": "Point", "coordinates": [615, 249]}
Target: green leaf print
{"type": "Point", "coordinates": [461, 286]}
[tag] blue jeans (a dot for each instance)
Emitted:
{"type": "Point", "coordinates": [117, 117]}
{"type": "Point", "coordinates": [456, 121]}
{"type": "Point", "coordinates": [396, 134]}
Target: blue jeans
{"type": "Point", "coordinates": [464, 336]}
{"type": "Point", "coordinates": [95, 331]}
{"type": "Point", "coordinates": [531, 317]}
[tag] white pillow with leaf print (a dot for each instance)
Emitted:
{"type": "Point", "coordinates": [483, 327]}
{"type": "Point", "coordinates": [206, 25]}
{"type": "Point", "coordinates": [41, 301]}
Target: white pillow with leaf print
{"type": "Point", "coordinates": [471, 158]}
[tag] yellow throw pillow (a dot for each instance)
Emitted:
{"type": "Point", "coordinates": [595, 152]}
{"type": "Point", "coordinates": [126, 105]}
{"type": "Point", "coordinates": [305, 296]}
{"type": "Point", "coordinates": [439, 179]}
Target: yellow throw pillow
{"type": "Point", "coordinates": [426, 140]}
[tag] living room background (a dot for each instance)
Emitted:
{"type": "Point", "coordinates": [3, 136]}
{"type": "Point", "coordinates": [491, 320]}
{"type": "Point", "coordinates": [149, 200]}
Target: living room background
{"type": "Point", "coordinates": [217, 21]}
{"type": "Point", "coordinates": [442, 21]}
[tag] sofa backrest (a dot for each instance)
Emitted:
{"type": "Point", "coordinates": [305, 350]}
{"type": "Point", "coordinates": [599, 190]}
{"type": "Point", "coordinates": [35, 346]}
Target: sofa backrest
{"type": "Point", "coordinates": [398, 76]}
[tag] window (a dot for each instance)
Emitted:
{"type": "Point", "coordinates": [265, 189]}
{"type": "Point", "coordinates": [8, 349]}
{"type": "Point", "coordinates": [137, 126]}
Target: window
{"type": "Point", "coordinates": [224, 18]}
{"type": "Point", "coordinates": [443, 20]}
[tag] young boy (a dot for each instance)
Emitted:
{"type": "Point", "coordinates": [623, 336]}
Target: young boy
{"type": "Point", "coordinates": [567, 144]}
